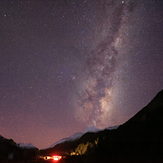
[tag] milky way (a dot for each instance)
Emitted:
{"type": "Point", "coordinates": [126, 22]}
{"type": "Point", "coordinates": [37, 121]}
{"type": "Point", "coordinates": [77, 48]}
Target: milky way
{"type": "Point", "coordinates": [66, 65]}
{"type": "Point", "coordinates": [95, 104]}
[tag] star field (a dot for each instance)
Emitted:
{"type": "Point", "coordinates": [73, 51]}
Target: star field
{"type": "Point", "coordinates": [68, 65]}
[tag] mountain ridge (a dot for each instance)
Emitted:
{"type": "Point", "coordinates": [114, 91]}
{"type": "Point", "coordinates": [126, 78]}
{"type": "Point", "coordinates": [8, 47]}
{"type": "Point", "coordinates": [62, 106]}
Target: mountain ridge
{"type": "Point", "coordinates": [140, 139]}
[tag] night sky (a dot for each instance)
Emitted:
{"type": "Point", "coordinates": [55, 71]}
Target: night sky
{"type": "Point", "coordinates": [70, 65]}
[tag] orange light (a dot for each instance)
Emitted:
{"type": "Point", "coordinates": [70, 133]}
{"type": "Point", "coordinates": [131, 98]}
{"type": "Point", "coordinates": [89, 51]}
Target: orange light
{"type": "Point", "coordinates": [56, 157]}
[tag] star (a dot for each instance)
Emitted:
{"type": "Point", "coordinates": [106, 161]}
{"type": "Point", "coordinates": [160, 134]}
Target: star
{"type": "Point", "coordinates": [73, 77]}
{"type": "Point", "coordinates": [5, 15]}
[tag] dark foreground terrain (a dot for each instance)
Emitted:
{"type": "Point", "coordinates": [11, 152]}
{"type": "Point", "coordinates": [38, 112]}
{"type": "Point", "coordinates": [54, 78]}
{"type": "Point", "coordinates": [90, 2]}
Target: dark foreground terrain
{"type": "Point", "coordinates": [139, 140]}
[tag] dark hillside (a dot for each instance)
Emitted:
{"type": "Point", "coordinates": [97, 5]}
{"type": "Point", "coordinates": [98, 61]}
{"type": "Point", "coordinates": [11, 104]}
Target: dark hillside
{"type": "Point", "coordinates": [140, 139]}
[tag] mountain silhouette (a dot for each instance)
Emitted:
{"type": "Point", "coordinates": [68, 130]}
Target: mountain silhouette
{"type": "Point", "coordinates": [12, 152]}
{"type": "Point", "coordinates": [139, 140]}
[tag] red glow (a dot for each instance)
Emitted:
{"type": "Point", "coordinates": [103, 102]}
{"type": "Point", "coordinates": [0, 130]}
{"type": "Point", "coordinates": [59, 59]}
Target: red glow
{"type": "Point", "coordinates": [57, 158]}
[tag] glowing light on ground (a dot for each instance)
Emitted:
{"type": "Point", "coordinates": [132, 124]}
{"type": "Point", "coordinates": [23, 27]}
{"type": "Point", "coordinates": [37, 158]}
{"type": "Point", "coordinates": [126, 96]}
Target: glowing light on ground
{"type": "Point", "coordinates": [54, 158]}
{"type": "Point", "coordinates": [57, 158]}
